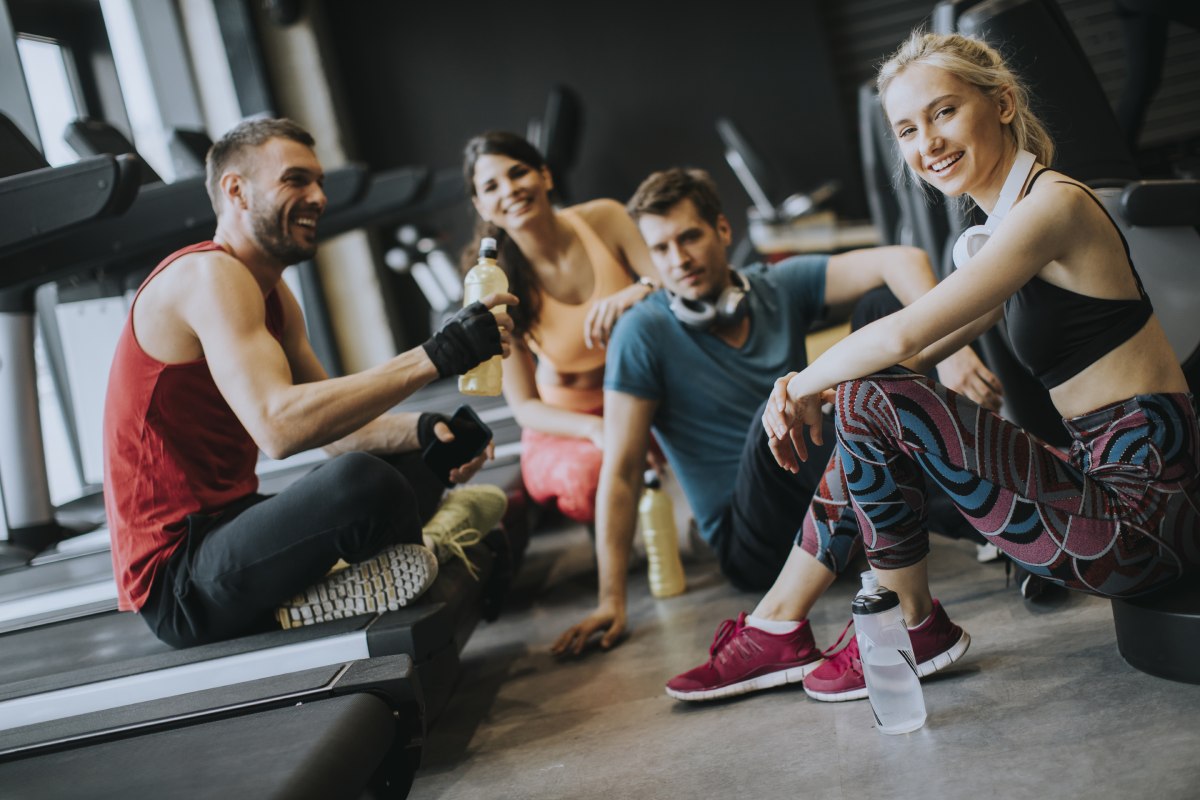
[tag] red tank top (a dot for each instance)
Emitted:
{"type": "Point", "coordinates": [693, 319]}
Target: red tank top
{"type": "Point", "coordinates": [172, 447]}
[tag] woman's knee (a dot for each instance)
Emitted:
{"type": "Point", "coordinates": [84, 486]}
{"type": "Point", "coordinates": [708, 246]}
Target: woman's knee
{"type": "Point", "coordinates": [860, 401]}
{"type": "Point", "coordinates": [853, 398]}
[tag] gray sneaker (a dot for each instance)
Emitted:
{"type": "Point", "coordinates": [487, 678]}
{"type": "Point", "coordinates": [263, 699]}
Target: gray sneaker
{"type": "Point", "coordinates": [395, 577]}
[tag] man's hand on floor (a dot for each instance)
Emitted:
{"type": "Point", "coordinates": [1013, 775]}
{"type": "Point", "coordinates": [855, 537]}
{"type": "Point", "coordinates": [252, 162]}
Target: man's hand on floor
{"type": "Point", "coordinates": [607, 619]}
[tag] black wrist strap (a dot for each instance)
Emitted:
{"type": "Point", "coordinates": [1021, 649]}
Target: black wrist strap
{"type": "Point", "coordinates": [425, 424]}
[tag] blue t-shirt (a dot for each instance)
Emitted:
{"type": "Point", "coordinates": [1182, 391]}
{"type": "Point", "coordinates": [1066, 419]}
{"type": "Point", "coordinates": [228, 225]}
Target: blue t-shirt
{"type": "Point", "coordinates": [707, 391]}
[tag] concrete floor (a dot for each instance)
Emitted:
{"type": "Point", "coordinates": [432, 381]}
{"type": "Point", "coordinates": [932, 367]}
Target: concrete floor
{"type": "Point", "coordinates": [1042, 706]}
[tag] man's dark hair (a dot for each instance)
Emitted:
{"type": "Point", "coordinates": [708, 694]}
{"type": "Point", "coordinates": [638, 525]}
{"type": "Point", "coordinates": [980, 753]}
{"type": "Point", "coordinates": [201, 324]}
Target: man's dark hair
{"type": "Point", "coordinates": [665, 189]}
{"type": "Point", "coordinates": [226, 151]}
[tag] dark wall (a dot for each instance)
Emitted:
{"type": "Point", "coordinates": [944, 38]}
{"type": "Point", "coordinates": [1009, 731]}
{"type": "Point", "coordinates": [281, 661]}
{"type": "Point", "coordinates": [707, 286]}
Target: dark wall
{"type": "Point", "coordinates": [421, 78]}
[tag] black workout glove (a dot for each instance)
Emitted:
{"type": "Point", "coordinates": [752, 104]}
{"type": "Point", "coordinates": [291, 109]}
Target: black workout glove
{"type": "Point", "coordinates": [467, 339]}
{"type": "Point", "coordinates": [425, 424]}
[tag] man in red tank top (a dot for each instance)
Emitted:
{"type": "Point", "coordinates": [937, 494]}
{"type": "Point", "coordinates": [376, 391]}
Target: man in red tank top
{"type": "Point", "coordinates": [214, 365]}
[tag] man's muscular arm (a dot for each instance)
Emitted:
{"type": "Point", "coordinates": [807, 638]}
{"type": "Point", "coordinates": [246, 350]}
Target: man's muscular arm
{"type": "Point", "coordinates": [275, 392]}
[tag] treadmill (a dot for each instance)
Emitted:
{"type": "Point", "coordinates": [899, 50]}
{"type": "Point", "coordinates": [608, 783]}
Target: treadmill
{"type": "Point", "coordinates": [358, 737]}
{"type": "Point", "coordinates": [161, 218]}
{"type": "Point", "coordinates": [98, 689]}
{"type": "Point", "coordinates": [334, 733]}
{"type": "Point", "coordinates": [37, 204]}
{"type": "Point", "coordinates": [109, 690]}
{"type": "Point", "coordinates": [75, 578]}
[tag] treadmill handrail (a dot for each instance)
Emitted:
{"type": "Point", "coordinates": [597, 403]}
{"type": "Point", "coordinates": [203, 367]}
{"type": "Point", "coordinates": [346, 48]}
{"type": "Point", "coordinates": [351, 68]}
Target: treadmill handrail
{"type": "Point", "coordinates": [388, 195]}
{"type": "Point", "coordinates": [43, 203]}
{"type": "Point", "coordinates": [164, 217]}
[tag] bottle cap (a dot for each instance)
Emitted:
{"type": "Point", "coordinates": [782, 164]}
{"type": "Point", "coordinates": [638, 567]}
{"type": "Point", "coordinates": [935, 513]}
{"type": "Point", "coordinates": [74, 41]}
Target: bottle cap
{"type": "Point", "coordinates": [487, 247]}
{"type": "Point", "coordinates": [882, 599]}
{"type": "Point", "coordinates": [870, 581]}
{"type": "Point", "coordinates": [651, 479]}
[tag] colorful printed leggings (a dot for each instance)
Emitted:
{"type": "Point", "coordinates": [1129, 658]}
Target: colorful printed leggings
{"type": "Point", "coordinates": [1119, 517]}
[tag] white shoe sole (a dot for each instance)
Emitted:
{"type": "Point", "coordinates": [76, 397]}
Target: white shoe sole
{"type": "Point", "coordinates": [768, 681]}
{"type": "Point", "coordinates": [390, 580]}
{"type": "Point", "coordinates": [836, 697]}
{"type": "Point", "coordinates": [943, 660]}
{"type": "Point", "coordinates": [940, 661]}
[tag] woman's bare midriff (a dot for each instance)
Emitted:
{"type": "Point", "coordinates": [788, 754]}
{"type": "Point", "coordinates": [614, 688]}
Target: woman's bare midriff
{"type": "Point", "coordinates": [1144, 364]}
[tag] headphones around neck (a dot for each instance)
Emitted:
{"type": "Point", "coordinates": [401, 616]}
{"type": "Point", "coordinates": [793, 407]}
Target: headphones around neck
{"type": "Point", "coordinates": [729, 308]}
{"type": "Point", "coordinates": [973, 238]}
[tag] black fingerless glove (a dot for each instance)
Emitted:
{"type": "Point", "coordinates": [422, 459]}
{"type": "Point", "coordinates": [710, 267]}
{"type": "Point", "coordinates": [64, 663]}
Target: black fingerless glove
{"type": "Point", "coordinates": [465, 341]}
{"type": "Point", "coordinates": [425, 424]}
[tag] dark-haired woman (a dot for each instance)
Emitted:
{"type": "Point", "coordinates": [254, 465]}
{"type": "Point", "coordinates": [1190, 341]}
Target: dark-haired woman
{"type": "Point", "coordinates": [575, 270]}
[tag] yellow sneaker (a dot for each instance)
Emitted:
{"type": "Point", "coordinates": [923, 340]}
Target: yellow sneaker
{"type": "Point", "coordinates": [461, 521]}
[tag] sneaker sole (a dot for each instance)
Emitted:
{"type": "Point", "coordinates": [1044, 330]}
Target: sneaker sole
{"type": "Point", "coordinates": [836, 697]}
{"type": "Point", "coordinates": [945, 658]}
{"type": "Point", "coordinates": [768, 681]}
{"type": "Point", "coordinates": [940, 661]}
{"type": "Point", "coordinates": [386, 582]}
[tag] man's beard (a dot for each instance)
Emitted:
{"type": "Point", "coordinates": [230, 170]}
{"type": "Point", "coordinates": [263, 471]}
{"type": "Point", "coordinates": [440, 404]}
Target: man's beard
{"type": "Point", "coordinates": [268, 232]}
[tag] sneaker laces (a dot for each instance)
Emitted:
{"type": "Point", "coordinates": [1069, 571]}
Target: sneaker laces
{"type": "Point", "coordinates": [847, 655]}
{"type": "Point", "coordinates": [728, 638]}
{"type": "Point", "coordinates": [456, 544]}
{"type": "Point", "coordinates": [725, 631]}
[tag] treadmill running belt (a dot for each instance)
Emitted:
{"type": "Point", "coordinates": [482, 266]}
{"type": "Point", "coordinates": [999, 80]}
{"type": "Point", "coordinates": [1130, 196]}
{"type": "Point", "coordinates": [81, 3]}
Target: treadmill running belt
{"type": "Point", "coordinates": [322, 750]}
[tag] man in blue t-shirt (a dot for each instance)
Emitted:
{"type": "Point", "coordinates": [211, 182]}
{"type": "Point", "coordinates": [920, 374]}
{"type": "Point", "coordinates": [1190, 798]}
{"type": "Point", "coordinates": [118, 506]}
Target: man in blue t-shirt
{"type": "Point", "coordinates": [695, 363]}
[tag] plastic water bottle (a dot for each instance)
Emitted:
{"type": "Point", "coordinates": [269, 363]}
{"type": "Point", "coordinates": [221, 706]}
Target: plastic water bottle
{"type": "Point", "coordinates": [888, 663]}
{"type": "Point", "coordinates": [485, 278]}
{"type": "Point", "coordinates": [662, 543]}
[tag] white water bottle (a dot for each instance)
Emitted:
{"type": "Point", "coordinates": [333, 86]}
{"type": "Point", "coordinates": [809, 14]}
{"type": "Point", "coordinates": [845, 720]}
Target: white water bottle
{"type": "Point", "coordinates": [889, 666]}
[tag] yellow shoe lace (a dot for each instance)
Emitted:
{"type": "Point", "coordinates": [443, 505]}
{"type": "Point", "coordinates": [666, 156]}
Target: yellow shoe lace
{"type": "Point", "coordinates": [470, 507]}
{"type": "Point", "coordinates": [456, 543]}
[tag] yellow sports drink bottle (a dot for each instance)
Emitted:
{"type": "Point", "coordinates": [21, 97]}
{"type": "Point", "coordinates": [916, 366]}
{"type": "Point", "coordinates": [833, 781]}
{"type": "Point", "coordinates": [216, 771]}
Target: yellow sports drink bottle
{"type": "Point", "coordinates": [483, 279]}
{"type": "Point", "coordinates": [662, 544]}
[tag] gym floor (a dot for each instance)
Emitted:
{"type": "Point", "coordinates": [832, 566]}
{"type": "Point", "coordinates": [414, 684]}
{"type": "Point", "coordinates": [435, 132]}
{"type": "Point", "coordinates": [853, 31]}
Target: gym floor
{"type": "Point", "coordinates": [1041, 706]}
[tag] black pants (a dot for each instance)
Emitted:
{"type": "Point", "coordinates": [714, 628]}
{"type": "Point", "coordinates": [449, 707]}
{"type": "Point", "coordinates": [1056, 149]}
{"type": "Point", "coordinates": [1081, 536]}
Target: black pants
{"type": "Point", "coordinates": [769, 503]}
{"type": "Point", "coordinates": [235, 567]}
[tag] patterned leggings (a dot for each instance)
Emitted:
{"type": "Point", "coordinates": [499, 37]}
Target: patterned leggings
{"type": "Point", "coordinates": [1121, 516]}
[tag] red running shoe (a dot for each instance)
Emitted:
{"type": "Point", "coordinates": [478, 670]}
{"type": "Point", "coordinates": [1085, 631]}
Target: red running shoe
{"type": "Point", "coordinates": [937, 642]}
{"type": "Point", "coordinates": [745, 659]}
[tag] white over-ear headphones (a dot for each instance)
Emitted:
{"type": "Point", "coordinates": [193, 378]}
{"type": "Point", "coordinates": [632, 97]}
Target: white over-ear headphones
{"type": "Point", "coordinates": [730, 307]}
{"type": "Point", "coordinates": [973, 238]}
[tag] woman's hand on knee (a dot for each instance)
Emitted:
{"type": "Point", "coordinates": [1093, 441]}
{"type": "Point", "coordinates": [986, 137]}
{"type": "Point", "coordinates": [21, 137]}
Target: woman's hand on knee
{"type": "Point", "coordinates": [964, 373]}
{"type": "Point", "coordinates": [785, 418]}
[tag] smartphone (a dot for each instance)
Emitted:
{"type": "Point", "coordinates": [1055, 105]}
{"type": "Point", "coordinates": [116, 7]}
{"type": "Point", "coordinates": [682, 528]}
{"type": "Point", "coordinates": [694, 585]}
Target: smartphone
{"type": "Point", "coordinates": [471, 438]}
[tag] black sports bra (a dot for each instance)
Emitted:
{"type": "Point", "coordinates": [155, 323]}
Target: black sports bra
{"type": "Point", "coordinates": [1057, 333]}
